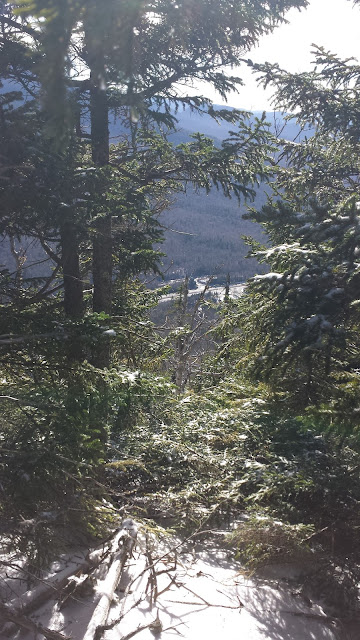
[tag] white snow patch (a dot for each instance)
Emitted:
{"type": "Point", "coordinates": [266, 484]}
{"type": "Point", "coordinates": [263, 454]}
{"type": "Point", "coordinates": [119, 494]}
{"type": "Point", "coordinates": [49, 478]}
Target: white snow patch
{"type": "Point", "coordinates": [269, 276]}
{"type": "Point", "coordinates": [207, 595]}
{"type": "Point", "coordinates": [129, 376]}
{"type": "Point", "coordinates": [214, 599]}
{"type": "Point", "coordinates": [285, 248]}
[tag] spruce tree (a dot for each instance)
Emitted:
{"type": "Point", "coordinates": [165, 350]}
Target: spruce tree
{"type": "Point", "coordinates": [302, 329]}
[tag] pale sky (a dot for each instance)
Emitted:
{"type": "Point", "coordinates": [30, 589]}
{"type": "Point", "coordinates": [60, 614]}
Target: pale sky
{"type": "Point", "coordinates": [333, 24]}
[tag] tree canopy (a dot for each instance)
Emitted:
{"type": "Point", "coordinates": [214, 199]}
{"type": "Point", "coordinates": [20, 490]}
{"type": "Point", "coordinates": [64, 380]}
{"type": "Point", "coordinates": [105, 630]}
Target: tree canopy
{"type": "Point", "coordinates": [68, 69]}
{"type": "Point", "coordinates": [306, 308]}
{"type": "Point", "coordinates": [130, 61]}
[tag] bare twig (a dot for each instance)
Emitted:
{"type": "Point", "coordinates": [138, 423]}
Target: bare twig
{"type": "Point", "coordinates": [171, 583]}
{"type": "Point", "coordinates": [152, 579]}
{"type": "Point", "coordinates": [205, 604]}
{"type": "Point", "coordinates": [114, 623]}
{"type": "Point", "coordinates": [141, 627]}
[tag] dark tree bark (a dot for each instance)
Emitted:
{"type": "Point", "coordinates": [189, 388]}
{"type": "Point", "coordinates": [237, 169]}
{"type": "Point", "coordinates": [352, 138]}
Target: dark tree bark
{"type": "Point", "coordinates": [102, 265]}
{"type": "Point", "coordinates": [70, 261]}
{"type": "Point", "coordinates": [73, 285]}
{"type": "Point", "coordinates": [102, 242]}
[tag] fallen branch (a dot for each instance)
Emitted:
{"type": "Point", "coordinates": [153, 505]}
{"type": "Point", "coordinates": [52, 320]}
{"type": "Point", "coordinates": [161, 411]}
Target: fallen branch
{"type": "Point", "coordinates": [16, 618]}
{"type": "Point", "coordinates": [125, 539]}
{"type": "Point", "coordinates": [32, 600]}
{"type": "Point", "coordinates": [150, 566]}
{"type": "Point", "coordinates": [165, 555]}
{"type": "Point", "coordinates": [117, 621]}
{"type": "Point", "coordinates": [78, 586]}
{"type": "Point", "coordinates": [81, 580]}
{"type": "Point", "coordinates": [99, 617]}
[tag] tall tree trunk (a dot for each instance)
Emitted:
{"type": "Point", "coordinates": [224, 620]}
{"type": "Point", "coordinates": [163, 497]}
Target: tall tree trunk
{"type": "Point", "coordinates": [102, 242]}
{"type": "Point", "coordinates": [102, 265]}
{"type": "Point", "coordinates": [73, 286]}
{"type": "Point", "coordinates": [227, 289]}
{"type": "Point", "coordinates": [96, 27]}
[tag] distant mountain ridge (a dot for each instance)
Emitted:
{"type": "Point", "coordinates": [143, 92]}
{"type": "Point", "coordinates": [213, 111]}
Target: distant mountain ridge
{"type": "Point", "coordinates": [191, 122]}
{"type": "Point", "coordinates": [203, 231]}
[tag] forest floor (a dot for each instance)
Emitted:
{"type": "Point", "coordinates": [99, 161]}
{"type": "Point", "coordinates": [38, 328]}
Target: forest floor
{"type": "Point", "coordinates": [163, 589]}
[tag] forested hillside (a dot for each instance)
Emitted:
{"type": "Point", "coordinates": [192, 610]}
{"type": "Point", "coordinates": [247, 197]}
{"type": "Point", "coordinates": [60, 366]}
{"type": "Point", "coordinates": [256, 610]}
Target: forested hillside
{"type": "Point", "coordinates": [237, 420]}
{"type": "Point", "coordinates": [203, 236]}
{"type": "Point", "coordinates": [202, 231]}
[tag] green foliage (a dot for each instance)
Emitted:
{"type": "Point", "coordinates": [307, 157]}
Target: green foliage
{"type": "Point", "coordinates": [58, 428]}
{"type": "Point", "coordinates": [71, 191]}
{"type": "Point", "coordinates": [58, 414]}
{"type": "Point", "coordinates": [299, 322]}
{"type": "Point", "coordinates": [228, 450]}
{"type": "Point", "coordinates": [261, 540]}
{"type": "Point", "coordinates": [230, 453]}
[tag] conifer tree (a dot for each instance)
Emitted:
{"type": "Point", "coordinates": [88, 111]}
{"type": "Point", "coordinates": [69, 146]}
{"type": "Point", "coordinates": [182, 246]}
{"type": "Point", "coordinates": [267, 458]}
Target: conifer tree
{"type": "Point", "coordinates": [303, 324]}
{"type": "Point", "coordinates": [117, 56]}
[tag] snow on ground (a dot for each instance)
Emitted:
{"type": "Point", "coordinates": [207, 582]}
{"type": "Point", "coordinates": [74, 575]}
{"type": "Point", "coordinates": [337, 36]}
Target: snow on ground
{"type": "Point", "coordinates": [201, 595]}
{"type": "Point", "coordinates": [217, 291]}
{"type": "Point", "coordinates": [214, 599]}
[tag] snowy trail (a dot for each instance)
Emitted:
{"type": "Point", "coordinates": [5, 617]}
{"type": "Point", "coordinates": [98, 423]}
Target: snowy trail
{"type": "Point", "coordinates": [203, 595]}
{"type": "Point", "coordinates": [213, 599]}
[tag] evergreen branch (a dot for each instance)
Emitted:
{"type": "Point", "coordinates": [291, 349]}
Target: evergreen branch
{"type": "Point", "coordinates": [20, 27]}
